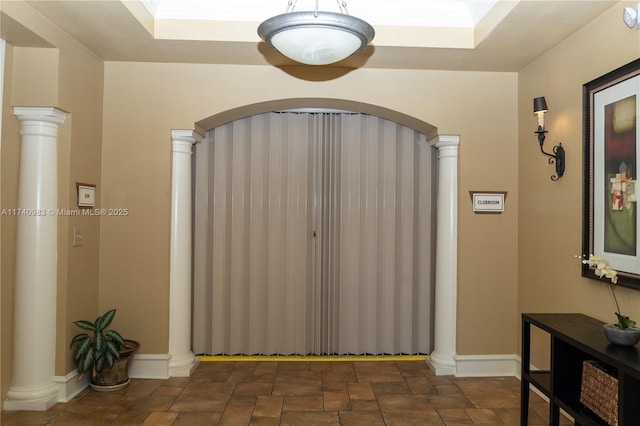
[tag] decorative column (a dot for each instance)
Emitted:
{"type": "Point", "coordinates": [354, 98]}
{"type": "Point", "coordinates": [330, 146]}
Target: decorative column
{"type": "Point", "coordinates": [442, 359]}
{"type": "Point", "coordinates": [34, 326]}
{"type": "Point", "coordinates": [182, 361]}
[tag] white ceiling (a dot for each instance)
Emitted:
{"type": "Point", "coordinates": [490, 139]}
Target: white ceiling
{"type": "Point", "coordinates": [482, 35]}
{"type": "Point", "coordinates": [433, 13]}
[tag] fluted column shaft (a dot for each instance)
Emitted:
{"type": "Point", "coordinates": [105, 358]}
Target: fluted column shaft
{"type": "Point", "coordinates": [442, 359]}
{"type": "Point", "coordinates": [34, 328]}
{"type": "Point", "coordinates": [182, 361]}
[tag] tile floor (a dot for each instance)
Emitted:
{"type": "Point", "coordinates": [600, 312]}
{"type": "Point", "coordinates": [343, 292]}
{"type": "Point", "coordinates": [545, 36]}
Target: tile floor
{"type": "Point", "coordinates": [299, 393]}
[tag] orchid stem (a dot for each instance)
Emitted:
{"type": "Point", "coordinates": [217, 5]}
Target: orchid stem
{"type": "Point", "coordinates": [615, 299]}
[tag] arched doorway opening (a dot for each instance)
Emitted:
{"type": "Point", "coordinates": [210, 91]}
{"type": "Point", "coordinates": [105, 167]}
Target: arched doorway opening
{"type": "Point", "coordinates": [442, 357]}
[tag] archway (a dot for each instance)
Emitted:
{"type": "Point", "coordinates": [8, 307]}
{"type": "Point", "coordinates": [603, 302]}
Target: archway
{"type": "Point", "coordinates": [442, 359]}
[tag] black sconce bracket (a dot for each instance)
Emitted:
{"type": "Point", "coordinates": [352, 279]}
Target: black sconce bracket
{"type": "Point", "coordinates": [557, 157]}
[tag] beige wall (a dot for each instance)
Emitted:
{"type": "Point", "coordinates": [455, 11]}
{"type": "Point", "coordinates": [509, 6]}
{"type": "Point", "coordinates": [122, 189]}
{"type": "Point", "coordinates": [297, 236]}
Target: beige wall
{"type": "Point", "coordinates": [550, 219]}
{"type": "Point", "coordinates": [144, 101]}
{"type": "Point", "coordinates": [69, 77]}
{"type": "Point", "coordinates": [521, 260]}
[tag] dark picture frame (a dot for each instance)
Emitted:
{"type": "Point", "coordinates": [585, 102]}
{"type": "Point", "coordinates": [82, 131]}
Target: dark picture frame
{"type": "Point", "coordinates": [611, 134]}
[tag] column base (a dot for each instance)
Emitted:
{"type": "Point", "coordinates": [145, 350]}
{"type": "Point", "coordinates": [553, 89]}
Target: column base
{"type": "Point", "coordinates": [183, 365]}
{"type": "Point", "coordinates": [441, 365]}
{"type": "Point", "coordinates": [31, 398]}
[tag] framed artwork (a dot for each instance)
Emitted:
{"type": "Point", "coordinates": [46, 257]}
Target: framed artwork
{"type": "Point", "coordinates": [86, 195]}
{"type": "Point", "coordinates": [611, 120]}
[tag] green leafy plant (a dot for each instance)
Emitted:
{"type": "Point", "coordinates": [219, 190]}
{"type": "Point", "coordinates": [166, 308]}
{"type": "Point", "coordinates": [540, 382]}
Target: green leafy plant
{"type": "Point", "coordinates": [98, 349]}
{"type": "Point", "coordinates": [604, 270]}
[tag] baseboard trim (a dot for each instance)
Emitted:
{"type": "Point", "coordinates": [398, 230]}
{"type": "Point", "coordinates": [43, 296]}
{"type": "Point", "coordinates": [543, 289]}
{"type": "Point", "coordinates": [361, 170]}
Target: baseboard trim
{"type": "Point", "coordinates": [141, 367]}
{"type": "Point", "coordinates": [70, 386]}
{"type": "Point", "coordinates": [487, 365]}
{"type": "Point", "coordinates": [149, 366]}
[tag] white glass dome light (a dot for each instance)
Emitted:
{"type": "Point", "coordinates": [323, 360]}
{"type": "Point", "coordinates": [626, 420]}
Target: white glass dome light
{"type": "Point", "coordinates": [315, 37]}
{"type": "Point", "coordinates": [630, 16]}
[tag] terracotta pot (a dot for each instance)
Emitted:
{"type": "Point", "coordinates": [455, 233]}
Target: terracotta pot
{"type": "Point", "coordinates": [621, 337]}
{"type": "Point", "coordinates": [117, 377]}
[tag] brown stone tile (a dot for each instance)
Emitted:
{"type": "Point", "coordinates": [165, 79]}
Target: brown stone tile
{"type": "Point", "coordinates": [268, 406]}
{"type": "Point", "coordinates": [303, 403]}
{"type": "Point", "coordinates": [294, 418]}
{"type": "Point", "coordinates": [265, 377]}
{"type": "Point", "coordinates": [160, 419]}
{"type": "Point", "coordinates": [73, 419]}
{"type": "Point", "coordinates": [252, 389]}
{"type": "Point", "coordinates": [141, 387]}
{"type": "Point", "coordinates": [199, 389]}
{"type": "Point", "coordinates": [176, 382]}
{"type": "Point", "coordinates": [437, 380]}
{"type": "Point", "coordinates": [483, 416]}
{"type": "Point", "coordinates": [264, 421]}
{"type": "Point", "coordinates": [390, 388]}
{"type": "Point", "coordinates": [241, 372]}
{"type": "Point", "coordinates": [420, 385]}
{"type": "Point", "coordinates": [401, 402]}
{"type": "Point", "coordinates": [106, 406]}
{"type": "Point", "coordinates": [215, 372]}
{"type": "Point", "coordinates": [360, 391]}
{"type": "Point", "coordinates": [508, 416]}
{"type": "Point", "coordinates": [334, 386]}
{"type": "Point", "coordinates": [343, 366]}
{"type": "Point", "coordinates": [215, 402]}
{"type": "Point", "coordinates": [412, 368]}
{"type": "Point", "coordinates": [495, 399]}
{"type": "Point", "coordinates": [341, 376]}
{"type": "Point", "coordinates": [238, 411]}
{"type": "Point", "coordinates": [447, 389]}
{"type": "Point", "coordinates": [361, 418]}
{"type": "Point", "coordinates": [321, 365]}
{"type": "Point", "coordinates": [266, 367]}
{"type": "Point", "coordinates": [133, 416]}
{"type": "Point", "coordinates": [207, 366]}
{"type": "Point", "coordinates": [336, 401]}
{"type": "Point", "coordinates": [377, 372]}
{"type": "Point", "coordinates": [449, 401]}
{"type": "Point", "coordinates": [171, 391]}
{"type": "Point", "coordinates": [20, 418]}
{"type": "Point", "coordinates": [408, 410]}
{"type": "Point", "coordinates": [364, 405]}
{"type": "Point", "coordinates": [201, 418]}
{"type": "Point", "coordinates": [294, 366]}
{"type": "Point", "coordinates": [155, 403]}
{"type": "Point", "coordinates": [454, 416]}
{"type": "Point", "coordinates": [305, 384]}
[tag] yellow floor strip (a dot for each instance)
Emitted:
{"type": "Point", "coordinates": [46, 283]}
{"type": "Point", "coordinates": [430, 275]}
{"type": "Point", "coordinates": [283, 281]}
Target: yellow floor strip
{"type": "Point", "coordinates": [232, 358]}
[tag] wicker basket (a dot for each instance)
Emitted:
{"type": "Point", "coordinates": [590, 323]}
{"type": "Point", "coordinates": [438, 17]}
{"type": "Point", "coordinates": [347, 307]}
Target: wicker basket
{"type": "Point", "coordinates": [599, 391]}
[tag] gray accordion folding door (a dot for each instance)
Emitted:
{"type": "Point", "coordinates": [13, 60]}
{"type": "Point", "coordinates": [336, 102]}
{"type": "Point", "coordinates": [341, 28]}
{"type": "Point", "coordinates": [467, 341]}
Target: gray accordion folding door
{"type": "Point", "coordinates": [313, 235]}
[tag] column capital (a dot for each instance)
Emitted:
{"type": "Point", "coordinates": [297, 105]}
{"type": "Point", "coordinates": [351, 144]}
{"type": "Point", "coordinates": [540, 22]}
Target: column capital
{"type": "Point", "coordinates": [442, 141]}
{"type": "Point", "coordinates": [44, 114]}
{"type": "Point", "coordinates": [186, 136]}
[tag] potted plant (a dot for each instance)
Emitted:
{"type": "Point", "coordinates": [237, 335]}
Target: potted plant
{"type": "Point", "coordinates": [103, 353]}
{"type": "Point", "coordinates": [624, 331]}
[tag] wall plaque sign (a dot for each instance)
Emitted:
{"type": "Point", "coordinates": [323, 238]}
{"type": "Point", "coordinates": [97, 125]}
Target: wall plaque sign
{"type": "Point", "coordinates": [488, 201]}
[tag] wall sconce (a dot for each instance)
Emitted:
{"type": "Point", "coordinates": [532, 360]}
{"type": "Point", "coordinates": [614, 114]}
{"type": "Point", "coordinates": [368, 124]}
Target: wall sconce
{"type": "Point", "coordinates": [539, 108]}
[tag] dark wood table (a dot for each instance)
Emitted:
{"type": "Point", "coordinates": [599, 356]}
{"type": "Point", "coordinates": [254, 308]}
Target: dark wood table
{"type": "Point", "coordinates": [576, 338]}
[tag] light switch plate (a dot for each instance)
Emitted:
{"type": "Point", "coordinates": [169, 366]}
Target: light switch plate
{"type": "Point", "coordinates": [77, 237]}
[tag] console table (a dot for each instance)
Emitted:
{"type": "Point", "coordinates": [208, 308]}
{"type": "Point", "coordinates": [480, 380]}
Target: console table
{"type": "Point", "coordinates": [576, 338]}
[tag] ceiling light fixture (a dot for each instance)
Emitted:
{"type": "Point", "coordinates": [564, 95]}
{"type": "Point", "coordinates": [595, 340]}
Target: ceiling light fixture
{"type": "Point", "coordinates": [630, 16]}
{"type": "Point", "coordinates": [316, 37]}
